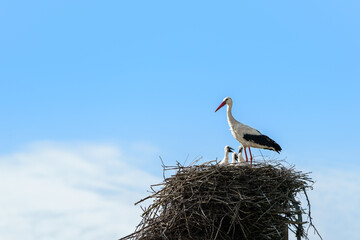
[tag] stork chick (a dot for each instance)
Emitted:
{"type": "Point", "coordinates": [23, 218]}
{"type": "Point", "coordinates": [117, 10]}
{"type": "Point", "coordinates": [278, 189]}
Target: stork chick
{"type": "Point", "coordinates": [234, 158]}
{"type": "Point", "coordinates": [227, 150]}
{"type": "Point", "coordinates": [240, 156]}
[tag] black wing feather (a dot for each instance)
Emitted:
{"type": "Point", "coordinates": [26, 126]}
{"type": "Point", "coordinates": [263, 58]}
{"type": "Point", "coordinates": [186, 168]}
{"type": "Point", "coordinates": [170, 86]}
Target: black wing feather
{"type": "Point", "coordinates": [263, 140]}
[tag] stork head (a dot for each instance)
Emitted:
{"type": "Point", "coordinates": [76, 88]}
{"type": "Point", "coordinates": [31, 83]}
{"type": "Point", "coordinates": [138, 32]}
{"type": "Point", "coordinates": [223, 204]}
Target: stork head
{"type": "Point", "coordinates": [241, 149]}
{"type": "Point", "coordinates": [228, 149]}
{"type": "Point", "coordinates": [227, 101]}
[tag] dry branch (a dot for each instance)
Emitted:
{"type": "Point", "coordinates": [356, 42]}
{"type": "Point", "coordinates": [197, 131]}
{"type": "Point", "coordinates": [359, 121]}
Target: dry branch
{"type": "Point", "coordinates": [209, 201]}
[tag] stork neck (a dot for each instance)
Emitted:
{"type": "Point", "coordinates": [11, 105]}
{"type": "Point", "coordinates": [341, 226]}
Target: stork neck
{"type": "Point", "coordinates": [230, 117]}
{"type": "Point", "coordinates": [226, 158]}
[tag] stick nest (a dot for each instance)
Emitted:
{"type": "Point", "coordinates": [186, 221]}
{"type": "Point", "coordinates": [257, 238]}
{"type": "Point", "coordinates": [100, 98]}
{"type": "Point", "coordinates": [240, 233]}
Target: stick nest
{"type": "Point", "coordinates": [210, 201]}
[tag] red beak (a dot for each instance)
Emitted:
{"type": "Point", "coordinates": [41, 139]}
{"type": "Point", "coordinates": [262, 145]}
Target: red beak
{"type": "Point", "coordinates": [221, 105]}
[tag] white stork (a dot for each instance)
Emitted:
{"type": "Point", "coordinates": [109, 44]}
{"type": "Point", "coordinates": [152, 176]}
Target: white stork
{"type": "Point", "coordinates": [227, 150]}
{"type": "Point", "coordinates": [234, 158]}
{"type": "Point", "coordinates": [247, 136]}
{"type": "Point", "coordinates": [240, 156]}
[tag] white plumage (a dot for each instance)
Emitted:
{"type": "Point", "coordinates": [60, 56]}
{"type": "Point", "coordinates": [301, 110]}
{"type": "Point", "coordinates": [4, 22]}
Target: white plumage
{"type": "Point", "coordinates": [234, 158]}
{"type": "Point", "coordinates": [240, 156]}
{"type": "Point", "coordinates": [227, 150]}
{"type": "Point", "coordinates": [247, 136]}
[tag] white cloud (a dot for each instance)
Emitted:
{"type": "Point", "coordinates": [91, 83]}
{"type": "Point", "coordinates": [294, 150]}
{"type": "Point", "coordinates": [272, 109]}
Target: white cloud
{"type": "Point", "coordinates": [77, 191]}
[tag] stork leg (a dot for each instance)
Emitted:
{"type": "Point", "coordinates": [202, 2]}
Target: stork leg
{"type": "Point", "coordinates": [246, 154]}
{"type": "Point", "coordinates": [250, 156]}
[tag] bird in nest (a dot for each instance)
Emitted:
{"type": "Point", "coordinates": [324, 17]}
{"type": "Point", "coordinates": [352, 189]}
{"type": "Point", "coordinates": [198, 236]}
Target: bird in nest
{"type": "Point", "coordinates": [246, 135]}
{"type": "Point", "coordinates": [227, 150]}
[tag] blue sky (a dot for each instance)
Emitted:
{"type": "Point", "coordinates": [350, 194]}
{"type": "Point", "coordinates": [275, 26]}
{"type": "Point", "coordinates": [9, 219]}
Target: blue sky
{"type": "Point", "coordinates": [146, 76]}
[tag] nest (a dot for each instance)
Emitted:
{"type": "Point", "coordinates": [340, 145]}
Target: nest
{"type": "Point", "coordinates": [210, 201]}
